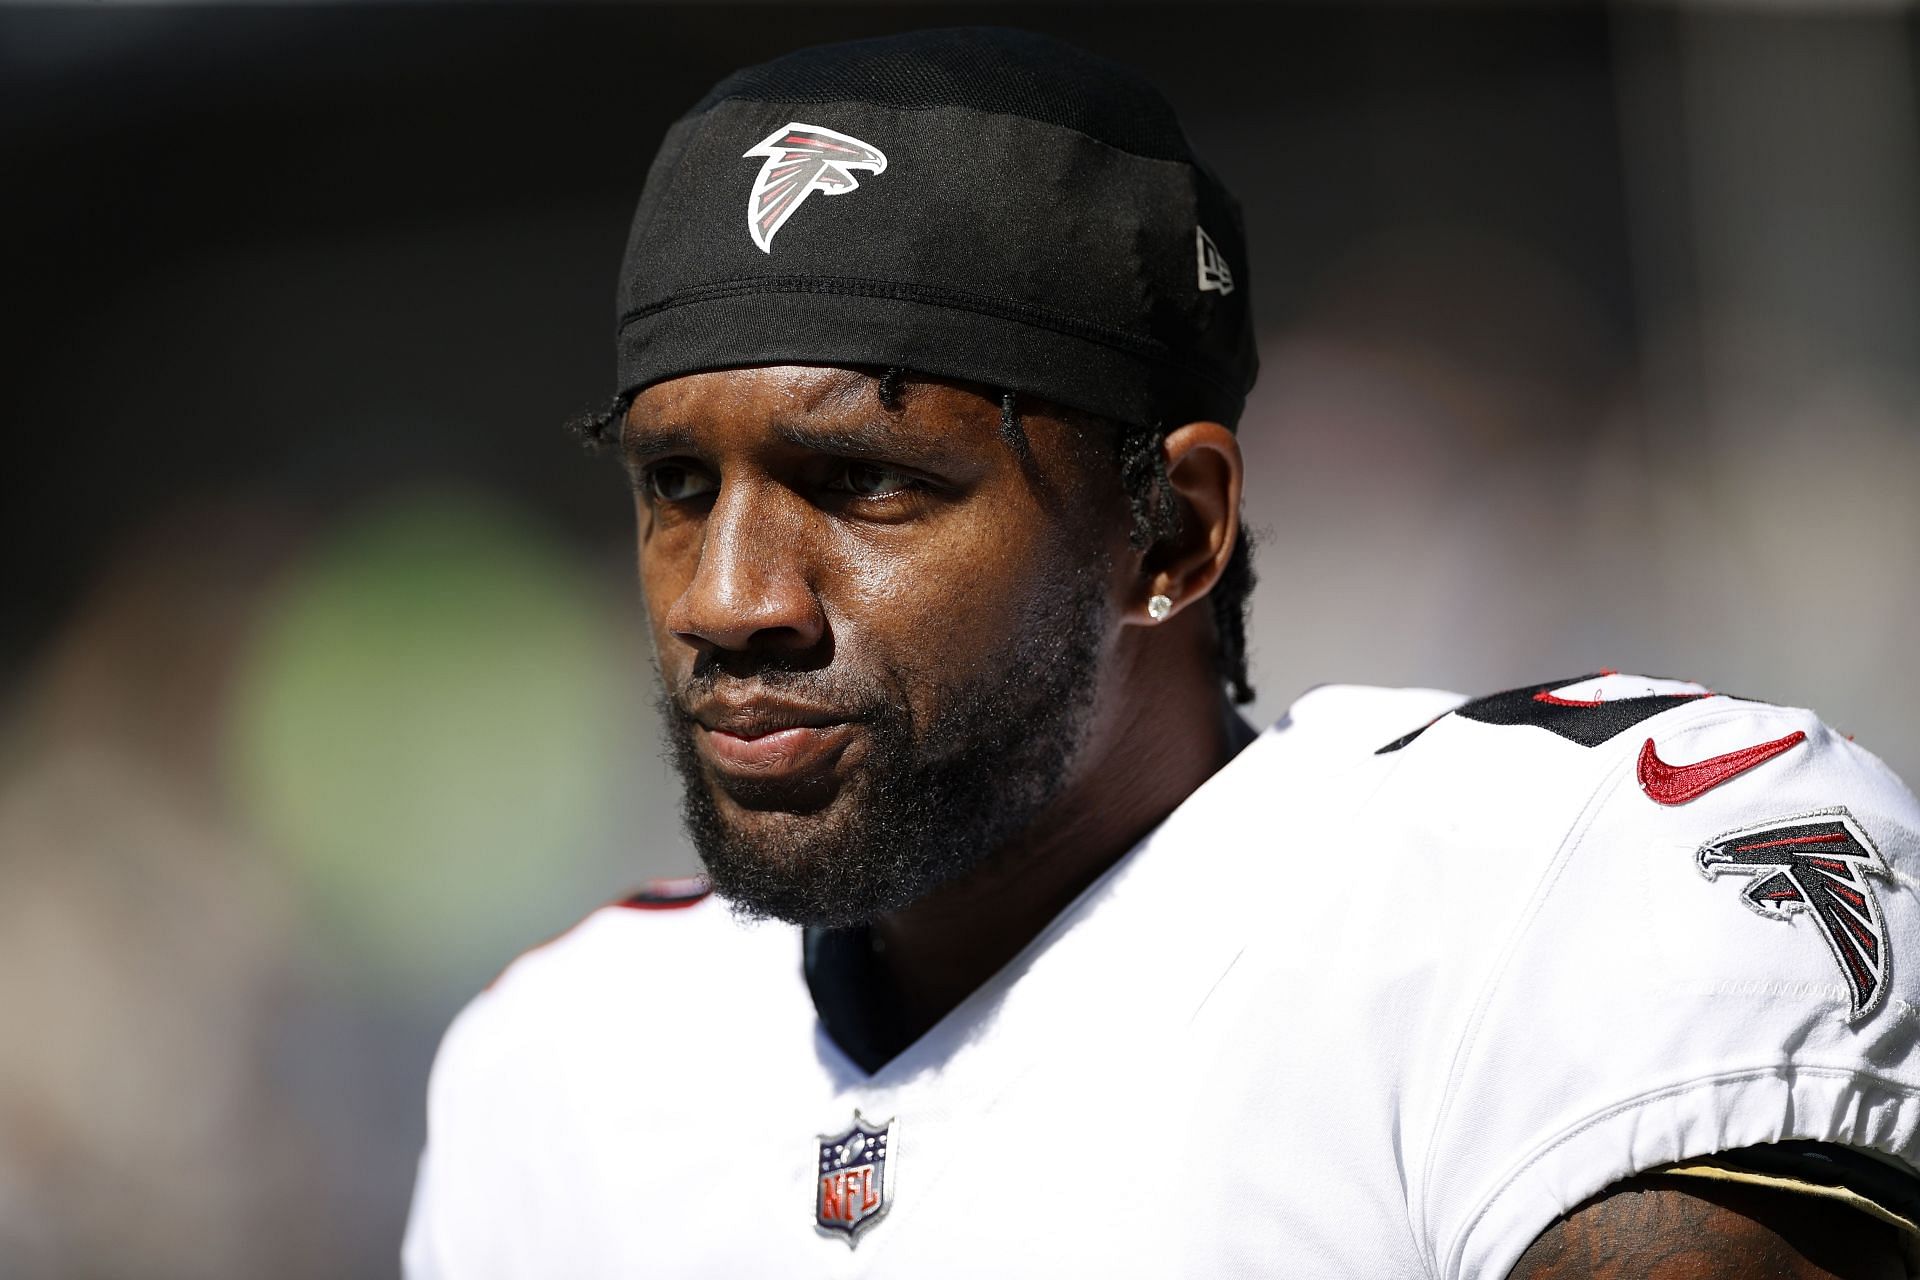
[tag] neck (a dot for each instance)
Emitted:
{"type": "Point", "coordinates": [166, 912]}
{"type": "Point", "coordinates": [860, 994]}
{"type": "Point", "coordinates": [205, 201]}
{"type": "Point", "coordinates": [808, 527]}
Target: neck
{"type": "Point", "coordinates": [1145, 756]}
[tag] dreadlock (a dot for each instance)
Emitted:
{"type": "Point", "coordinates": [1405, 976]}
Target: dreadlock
{"type": "Point", "coordinates": [601, 427]}
{"type": "Point", "coordinates": [1010, 429]}
{"type": "Point", "coordinates": [1143, 473]}
{"type": "Point", "coordinates": [1156, 518]}
{"type": "Point", "coordinates": [889, 387]}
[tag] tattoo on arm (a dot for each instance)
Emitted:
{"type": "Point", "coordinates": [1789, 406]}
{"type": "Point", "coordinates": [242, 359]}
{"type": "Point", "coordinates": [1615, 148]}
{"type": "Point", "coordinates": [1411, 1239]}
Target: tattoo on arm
{"type": "Point", "coordinates": [1655, 1228]}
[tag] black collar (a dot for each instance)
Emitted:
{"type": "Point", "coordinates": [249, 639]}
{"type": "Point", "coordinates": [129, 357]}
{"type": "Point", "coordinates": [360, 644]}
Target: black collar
{"type": "Point", "coordinates": [858, 1006]}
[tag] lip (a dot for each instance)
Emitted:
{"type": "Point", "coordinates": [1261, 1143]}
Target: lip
{"type": "Point", "coordinates": [758, 717]}
{"type": "Point", "coordinates": [797, 751]}
{"type": "Point", "coordinates": [770, 741]}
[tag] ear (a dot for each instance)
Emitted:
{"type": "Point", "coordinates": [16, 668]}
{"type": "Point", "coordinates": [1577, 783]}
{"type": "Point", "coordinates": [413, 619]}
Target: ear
{"type": "Point", "coordinates": [1205, 468]}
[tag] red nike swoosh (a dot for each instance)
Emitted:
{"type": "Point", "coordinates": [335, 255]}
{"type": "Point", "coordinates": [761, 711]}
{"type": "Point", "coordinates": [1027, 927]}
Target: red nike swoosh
{"type": "Point", "coordinates": [1676, 784]}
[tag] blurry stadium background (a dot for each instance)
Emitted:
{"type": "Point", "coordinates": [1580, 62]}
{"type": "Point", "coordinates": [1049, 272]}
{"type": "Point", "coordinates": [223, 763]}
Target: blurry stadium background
{"type": "Point", "coordinates": [1591, 337]}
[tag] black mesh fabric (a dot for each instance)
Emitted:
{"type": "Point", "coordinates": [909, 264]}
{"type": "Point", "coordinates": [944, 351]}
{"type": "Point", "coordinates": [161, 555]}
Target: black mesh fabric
{"type": "Point", "coordinates": [980, 204]}
{"type": "Point", "coordinates": [994, 69]}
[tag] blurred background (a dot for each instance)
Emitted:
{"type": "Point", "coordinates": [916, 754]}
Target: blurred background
{"type": "Point", "coordinates": [1591, 337]}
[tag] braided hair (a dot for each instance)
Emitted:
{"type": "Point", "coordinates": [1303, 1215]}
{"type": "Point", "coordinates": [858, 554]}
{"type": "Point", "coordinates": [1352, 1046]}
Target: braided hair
{"type": "Point", "coordinates": [1156, 518]}
{"type": "Point", "coordinates": [1143, 473]}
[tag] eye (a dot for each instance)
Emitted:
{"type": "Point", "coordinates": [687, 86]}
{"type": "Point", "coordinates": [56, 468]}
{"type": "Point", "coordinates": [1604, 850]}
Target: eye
{"type": "Point", "coordinates": [871, 480]}
{"type": "Point", "coordinates": [676, 482]}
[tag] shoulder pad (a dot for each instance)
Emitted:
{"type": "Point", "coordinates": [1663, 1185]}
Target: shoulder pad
{"type": "Point", "coordinates": [667, 893]}
{"type": "Point", "coordinates": [1588, 710]}
{"type": "Point", "coordinates": [664, 894]}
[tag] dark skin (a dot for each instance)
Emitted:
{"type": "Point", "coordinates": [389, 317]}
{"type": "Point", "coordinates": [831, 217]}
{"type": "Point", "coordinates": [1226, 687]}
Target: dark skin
{"type": "Point", "coordinates": [785, 516]}
{"type": "Point", "coordinates": [758, 536]}
{"type": "Point", "coordinates": [1672, 1228]}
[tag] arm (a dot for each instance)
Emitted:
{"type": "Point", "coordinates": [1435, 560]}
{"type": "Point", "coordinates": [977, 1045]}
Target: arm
{"type": "Point", "coordinates": [1661, 1228]}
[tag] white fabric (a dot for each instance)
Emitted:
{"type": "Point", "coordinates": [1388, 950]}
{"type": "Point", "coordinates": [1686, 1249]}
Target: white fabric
{"type": "Point", "coordinates": [1343, 1014]}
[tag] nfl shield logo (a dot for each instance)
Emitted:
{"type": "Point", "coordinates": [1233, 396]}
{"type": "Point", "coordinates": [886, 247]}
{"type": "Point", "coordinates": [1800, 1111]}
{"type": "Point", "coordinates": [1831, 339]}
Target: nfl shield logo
{"type": "Point", "coordinates": [855, 1188]}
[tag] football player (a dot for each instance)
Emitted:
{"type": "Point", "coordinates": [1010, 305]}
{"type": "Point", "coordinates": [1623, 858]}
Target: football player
{"type": "Point", "coordinates": [1025, 955]}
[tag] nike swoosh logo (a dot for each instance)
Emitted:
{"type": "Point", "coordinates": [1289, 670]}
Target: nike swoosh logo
{"type": "Point", "coordinates": [1676, 784]}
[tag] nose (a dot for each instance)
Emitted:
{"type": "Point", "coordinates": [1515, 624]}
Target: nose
{"type": "Point", "coordinates": [752, 588]}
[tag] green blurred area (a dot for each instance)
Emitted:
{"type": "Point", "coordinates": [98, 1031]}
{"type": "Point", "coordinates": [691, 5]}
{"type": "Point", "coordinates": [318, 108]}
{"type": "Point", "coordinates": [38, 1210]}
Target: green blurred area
{"type": "Point", "coordinates": [428, 726]}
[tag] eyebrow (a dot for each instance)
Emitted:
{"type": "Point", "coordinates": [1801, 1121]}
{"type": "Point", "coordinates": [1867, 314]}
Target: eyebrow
{"type": "Point", "coordinates": [866, 439]}
{"type": "Point", "coordinates": [861, 440]}
{"type": "Point", "coordinates": [654, 442]}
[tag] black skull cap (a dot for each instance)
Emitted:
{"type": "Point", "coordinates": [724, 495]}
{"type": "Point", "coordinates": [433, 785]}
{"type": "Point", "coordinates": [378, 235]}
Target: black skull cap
{"type": "Point", "coordinates": [977, 203]}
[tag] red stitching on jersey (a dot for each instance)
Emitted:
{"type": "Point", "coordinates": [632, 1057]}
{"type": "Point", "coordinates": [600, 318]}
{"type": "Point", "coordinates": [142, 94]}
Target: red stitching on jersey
{"type": "Point", "coordinates": [1824, 838]}
{"type": "Point", "coordinates": [683, 885]}
{"type": "Point", "coordinates": [1867, 940]}
{"type": "Point", "coordinates": [641, 904]}
{"type": "Point", "coordinates": [669, 893]}
{"type": "Point", "coordinates": [1555, 700]}
{"type": "Point", "coordinates": [1676, 784]}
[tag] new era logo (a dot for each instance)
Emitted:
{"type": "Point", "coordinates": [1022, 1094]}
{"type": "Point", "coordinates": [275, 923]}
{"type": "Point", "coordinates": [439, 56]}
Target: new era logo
{"type": "Point", "coordinates": [1214, 272]}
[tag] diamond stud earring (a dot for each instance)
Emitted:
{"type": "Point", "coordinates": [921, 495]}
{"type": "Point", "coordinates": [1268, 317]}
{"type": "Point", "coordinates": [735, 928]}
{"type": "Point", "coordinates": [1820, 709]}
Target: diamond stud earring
{"type": "Point", "coordinates": [1159, 607]}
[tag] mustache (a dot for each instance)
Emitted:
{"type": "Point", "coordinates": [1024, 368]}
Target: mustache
{"type": "Point", "coordinates": [858, 696]}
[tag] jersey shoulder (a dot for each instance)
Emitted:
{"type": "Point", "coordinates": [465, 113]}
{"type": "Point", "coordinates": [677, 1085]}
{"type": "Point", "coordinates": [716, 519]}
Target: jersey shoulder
{"type": "Point", "coordinates": [1610, 784]}
{"type": "Point", "coordinates": [1586, 710]}
{"type": "Point", "coordinates": [633, 974]}
{"type": "Point", "coordinates": [600, 1033]}
{"type": "Point", "coordinates": [1683, 742]}
{"type": "Point", "coordinates": [1693, 929]}
{"type": "Point", "coordinates": [666, 914]}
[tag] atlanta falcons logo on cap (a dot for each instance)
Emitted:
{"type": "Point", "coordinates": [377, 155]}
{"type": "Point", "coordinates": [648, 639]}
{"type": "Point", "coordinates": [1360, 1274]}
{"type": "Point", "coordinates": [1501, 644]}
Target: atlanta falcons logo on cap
{"type": "Point", "coordinates": [1818, 864]}
{"type": "Point", "coordinates": [802, 159]}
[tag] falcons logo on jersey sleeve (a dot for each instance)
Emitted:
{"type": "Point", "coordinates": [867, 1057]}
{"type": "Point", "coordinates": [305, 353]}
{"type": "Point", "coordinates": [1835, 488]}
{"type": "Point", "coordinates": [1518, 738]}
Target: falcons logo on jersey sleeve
{"type": "Point", "coordinates": [802, 159]}
{"type": "Point", "coordinates": [1816, 864]}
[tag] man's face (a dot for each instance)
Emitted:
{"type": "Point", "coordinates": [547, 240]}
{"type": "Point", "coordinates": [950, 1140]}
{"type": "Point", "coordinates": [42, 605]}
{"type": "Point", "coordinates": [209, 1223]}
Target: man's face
{"type": "Point", "coordinates": [879, 631]}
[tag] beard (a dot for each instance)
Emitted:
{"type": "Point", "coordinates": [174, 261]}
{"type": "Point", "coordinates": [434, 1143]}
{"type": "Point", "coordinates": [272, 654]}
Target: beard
{"type": "Point", "coordinates": [933, 798]}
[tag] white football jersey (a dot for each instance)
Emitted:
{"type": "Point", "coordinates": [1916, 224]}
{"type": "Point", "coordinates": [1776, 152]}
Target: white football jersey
{"type": "Point", "coordinates": [1349, 1011]}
